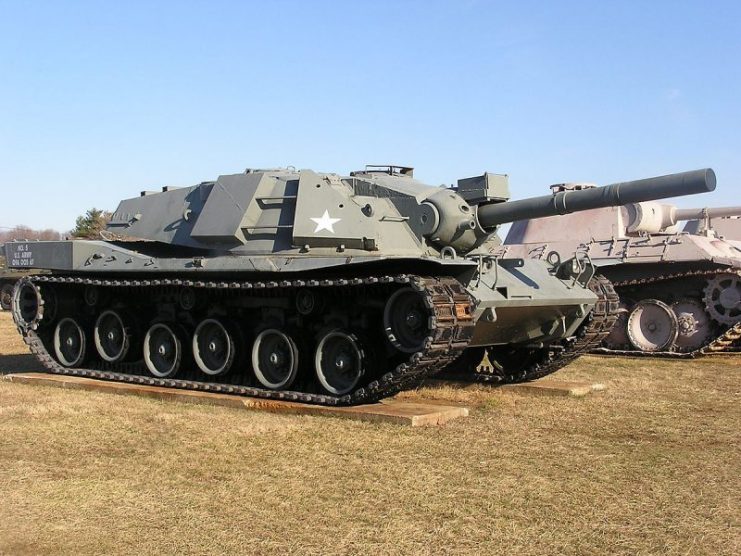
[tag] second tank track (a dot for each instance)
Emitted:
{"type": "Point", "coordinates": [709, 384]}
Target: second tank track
{"type": "Point", "coordinates": [483, 366]}
{"type": "Point", "coordinates": [726, 342]}
{"type": "Point", "coordinates": [449, 313]}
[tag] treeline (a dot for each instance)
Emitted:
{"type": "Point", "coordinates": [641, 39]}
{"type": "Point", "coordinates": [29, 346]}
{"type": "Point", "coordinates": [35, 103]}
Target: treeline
{"type": "Point", "coordinates": [24, 232]}
{"type": "Point", "coordinates": [87, 226]}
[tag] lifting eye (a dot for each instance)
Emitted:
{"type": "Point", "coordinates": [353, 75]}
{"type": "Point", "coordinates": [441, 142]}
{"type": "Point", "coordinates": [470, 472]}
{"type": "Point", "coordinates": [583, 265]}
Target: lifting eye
{"type": "Point", "coordinates": [553, 258]}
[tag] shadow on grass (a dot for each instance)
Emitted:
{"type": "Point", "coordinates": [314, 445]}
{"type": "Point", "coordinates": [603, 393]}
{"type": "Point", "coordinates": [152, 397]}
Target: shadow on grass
{"type": "Point", "coordinates": [23, 363]}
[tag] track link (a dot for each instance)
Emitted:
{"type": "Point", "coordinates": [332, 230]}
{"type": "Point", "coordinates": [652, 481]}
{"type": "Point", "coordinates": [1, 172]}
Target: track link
{"type": "Point", "coordinates": [448, 305]}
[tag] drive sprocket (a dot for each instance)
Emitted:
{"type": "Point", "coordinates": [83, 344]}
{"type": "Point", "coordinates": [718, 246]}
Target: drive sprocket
{"type": "Point", "coordinates": [723, 298]}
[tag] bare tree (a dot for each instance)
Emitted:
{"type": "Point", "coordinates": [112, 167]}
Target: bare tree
{"type": "Point", "coordinates": [26, 232]}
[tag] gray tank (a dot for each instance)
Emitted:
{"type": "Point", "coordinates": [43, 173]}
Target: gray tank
{"type": "Point", "coordinates": [318, 288]}
{"type": "Point", "coordinates": [680, 290]}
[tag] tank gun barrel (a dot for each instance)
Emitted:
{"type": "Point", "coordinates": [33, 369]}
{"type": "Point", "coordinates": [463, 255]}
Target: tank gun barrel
{"type": "Point", "coordinates": [617, 194]}
{"type": "Point", "coordinates": [708, 212]}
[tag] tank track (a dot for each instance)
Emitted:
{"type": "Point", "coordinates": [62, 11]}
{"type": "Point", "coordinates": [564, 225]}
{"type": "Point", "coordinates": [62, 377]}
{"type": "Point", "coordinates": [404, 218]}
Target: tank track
{"type": "Point", "coordinates": [720, 344]}
{"type": "Point", "coordinates": [448, 304]}
{"type": "Point", "coordinates": [550, 359]}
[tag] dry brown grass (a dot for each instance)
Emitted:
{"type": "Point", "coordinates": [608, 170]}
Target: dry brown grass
{"type": "Point", "coordinates": [651, 465]}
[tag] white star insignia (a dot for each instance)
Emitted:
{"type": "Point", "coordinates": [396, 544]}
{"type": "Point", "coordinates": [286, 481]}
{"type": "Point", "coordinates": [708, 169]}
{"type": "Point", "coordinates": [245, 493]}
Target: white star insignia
{"type": "Point", "coordinates": [325, 222]}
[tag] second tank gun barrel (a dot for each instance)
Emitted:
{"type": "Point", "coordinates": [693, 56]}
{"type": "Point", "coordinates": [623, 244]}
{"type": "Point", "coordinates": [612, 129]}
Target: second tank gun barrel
{"type": "Point", "coordinates": [707, 212]}
{"type": "Point", "coordinates": [565, 202]}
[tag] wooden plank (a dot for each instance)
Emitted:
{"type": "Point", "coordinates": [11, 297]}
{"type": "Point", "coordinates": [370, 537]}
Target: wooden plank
{"type": "Point", "coordinates": [400, 412]}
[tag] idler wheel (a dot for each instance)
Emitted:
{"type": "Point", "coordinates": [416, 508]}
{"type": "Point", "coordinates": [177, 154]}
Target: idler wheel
{"type": "Point", "coordinates": [6, 297]}
{"type": "Point", "coordinates": [405, 320]}
{"type": "Point", "coordinates": [339, 362]}
{"type": "Point", "coordinates": [274, 359]}
{"type": "Point", "coordinates": [163, 350]}
{"type": "Point", "coordinates": [213, 347]}
{"type": "Point", "coordinates": [70, 343]}
{"type": "Point", "coordinates": [652, 326]}
{"type": "Point", "coordinates": [723, 298]}
{"type": "Point", "coordinates": [112, 336]}
{"type": "Point", "coordinates": [693, 323]}
{"type": "Point", "coordinates": [28, 305]}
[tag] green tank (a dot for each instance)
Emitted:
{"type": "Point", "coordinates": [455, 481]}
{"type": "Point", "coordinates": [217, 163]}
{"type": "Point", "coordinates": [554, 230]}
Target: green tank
{"type": "Point", "coordinates": [317, 287]}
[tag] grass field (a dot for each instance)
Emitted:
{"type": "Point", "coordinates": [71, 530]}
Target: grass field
{"type": "Point", "coordinates": [649, 466]}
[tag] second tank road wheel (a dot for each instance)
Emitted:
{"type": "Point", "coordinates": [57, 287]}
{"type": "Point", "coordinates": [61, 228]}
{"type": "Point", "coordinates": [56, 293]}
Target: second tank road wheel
{"type": "Point", "coordinates": [652, 326]}
{"type": "Point", "coordinates": [274, 359]}
{"type": "Point", "coordinates": [6, 297]}
{"type": "Point", "coordinates": [405, 320]}
{"type": "Point", "coordinates": [70, 343]}
{"type": "Point", "coordinates": [112, 335]}
{"type": "Point", "coordinates": [163, 350]}
{"type": "Point", "coordinates": [339, 362]}
{"type": "Point", "coordinates": [694, 326]}
{"type": "Point", "coordinates": [213, 347]}
{"type": "Point", "coordinates": [723, 298]}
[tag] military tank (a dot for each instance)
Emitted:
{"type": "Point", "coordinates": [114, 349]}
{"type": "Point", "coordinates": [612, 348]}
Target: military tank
{"type": "Point", "coordinates": [680, 292]}
{"type": "Point", "coordinates": [317, 288]}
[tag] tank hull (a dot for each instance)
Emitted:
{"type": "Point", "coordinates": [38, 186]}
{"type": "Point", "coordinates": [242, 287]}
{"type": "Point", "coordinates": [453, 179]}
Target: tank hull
{"type": "Point", "coordinates": [517, 300]}
{"type": "Point", "coordinates": [492, 305]}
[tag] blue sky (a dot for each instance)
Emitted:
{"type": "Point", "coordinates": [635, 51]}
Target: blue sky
{"type": "Point", "coordinates": [100, 100]}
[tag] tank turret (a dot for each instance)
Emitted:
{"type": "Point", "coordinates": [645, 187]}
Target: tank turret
{"type": "Point", "coordinates": [316, 287]}
{"type": "Point", "coordinates": [376, 210]}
